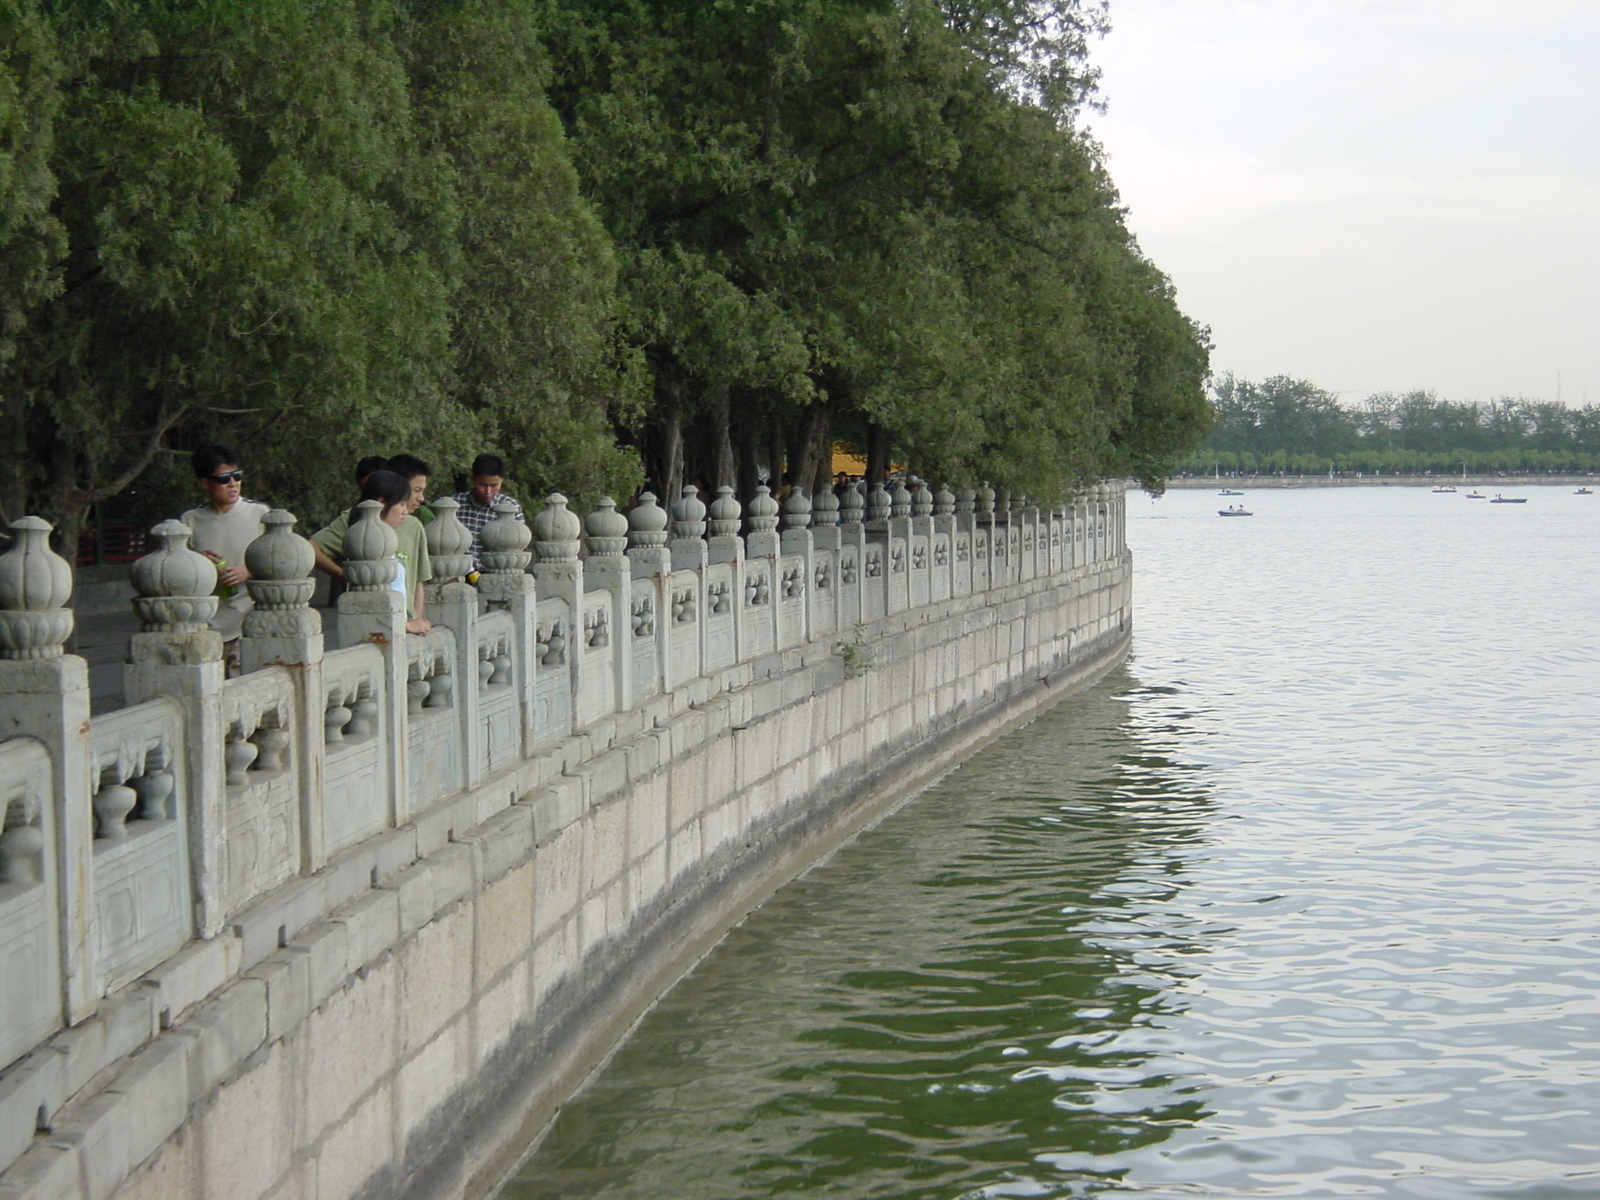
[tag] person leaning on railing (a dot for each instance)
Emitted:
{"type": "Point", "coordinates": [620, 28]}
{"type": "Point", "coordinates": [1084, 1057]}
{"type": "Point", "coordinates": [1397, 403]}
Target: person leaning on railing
{"type": "Point", "coordinates": [395, 494]}
{"type": "Point", "coordinates": [484, 501]}
{"type": "Point", "coordinates": [223, 526]}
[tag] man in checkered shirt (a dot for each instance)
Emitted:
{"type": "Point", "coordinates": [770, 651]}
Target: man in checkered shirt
{"type": "Point", "coordinates": [484, 501]}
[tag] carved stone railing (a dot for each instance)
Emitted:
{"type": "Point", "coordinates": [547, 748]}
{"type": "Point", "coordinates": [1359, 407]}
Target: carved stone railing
{"type": "Point", "coordinates": [124, 837]}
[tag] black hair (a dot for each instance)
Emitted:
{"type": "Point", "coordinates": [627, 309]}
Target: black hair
{"type": "Point", "coordinates": [369, 464]}
{"type": "Point", "coordinates": [488, 464]}
{"type": "Point", "coordinates": [407, 466]}
{"type": "Point", "coordinates": [208, 458]}
{"type": "Point", "coordinates": [387, 488]}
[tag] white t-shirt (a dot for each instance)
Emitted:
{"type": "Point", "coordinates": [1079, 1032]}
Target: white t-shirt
{"type": "Point", "coordinates": [226, 535]}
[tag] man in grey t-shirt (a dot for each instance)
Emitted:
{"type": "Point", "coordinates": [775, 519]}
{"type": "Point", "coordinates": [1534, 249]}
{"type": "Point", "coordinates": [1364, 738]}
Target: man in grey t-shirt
{"type": "Point", "coordinates": [223, 527]}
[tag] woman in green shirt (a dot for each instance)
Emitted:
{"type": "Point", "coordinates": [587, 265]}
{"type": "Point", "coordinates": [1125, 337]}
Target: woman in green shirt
{"type": "Point", "coordinates": [394, 493]}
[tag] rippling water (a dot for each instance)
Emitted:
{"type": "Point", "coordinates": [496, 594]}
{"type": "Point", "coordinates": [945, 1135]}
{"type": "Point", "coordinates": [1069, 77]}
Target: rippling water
{"type": "Point", "coordinates": [1302, 902]}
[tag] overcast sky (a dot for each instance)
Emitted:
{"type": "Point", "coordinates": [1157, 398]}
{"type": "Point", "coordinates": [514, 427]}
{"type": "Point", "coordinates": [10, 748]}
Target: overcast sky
{"type": "Point", "coordinates": [1370, 195]}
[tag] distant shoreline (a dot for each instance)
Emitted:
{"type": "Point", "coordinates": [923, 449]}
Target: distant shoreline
{"type": "Point", "coordinates": [1500, 482]}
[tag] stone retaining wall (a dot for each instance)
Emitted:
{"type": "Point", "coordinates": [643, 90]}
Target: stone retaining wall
{"type": "Point", "coordinates": [399, 1013]}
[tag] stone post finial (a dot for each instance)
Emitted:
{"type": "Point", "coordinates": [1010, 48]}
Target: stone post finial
{"type": "Point", "coordinates": [725, 513]}
{"type": "Point", "coordinates": [851, 505]}
{"type": "Point", "coordinates": [899, 499]}
{"type": "Point", "coordinates": [449, 542]}
{"type": "Point", "coordinates": [503, 544]}
{"type": "Point", "coordinates": [1002, 502]}
{"type": "Point", "coordinates": [825, 509]}
{"type": "Point", "coordinates": [35, 585]}
{"type": "Point", "coordinates": [966, 500]}
{"type": "Point", "coordinates": [689, 514]}
{"type": "Point", "coordinates": [556, 530]}
{"type": "Point", "coordinates": [647, 524]}
{"type": "Point", "coordinates": [280, 586]}
{"type": "Point", "coordinates": [984, 502]}
{"type": "Point", "coordinates": [796, 509]}
{"type": "Point", "coordinates": [763, 511]}
{"type": "Point", "coordinates": [606, 530]}
{"type": "Point", "coordinates": [369, 549]}
{"type": "Point", "coordinates": [879, 503]}
{"type": "Point", "coordinates": [922, 499]}
{"type": "Point", "coordinates": [175, 584]}
{"type": "Point", "coordinates": [944, 501]}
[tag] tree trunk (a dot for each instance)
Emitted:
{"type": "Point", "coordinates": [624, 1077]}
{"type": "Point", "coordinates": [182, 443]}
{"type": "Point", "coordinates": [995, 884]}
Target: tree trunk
{"type": "Point", "coordinates": [822, 474]}
{"type": "Point", "coordinates": [749, 468]}
{"type": "Point", "coordinates": [720, 462]}
{"type": "Point", "coordinates": [774, 453]}
{"type": "Point", "coordinates": [672, 456]}
{"type": "Point", "coordinates": [877, 454]}
{"type": "Point", "coordinates": [811, 435]}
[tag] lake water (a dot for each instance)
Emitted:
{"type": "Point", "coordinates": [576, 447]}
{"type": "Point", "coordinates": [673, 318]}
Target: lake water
{"type": "Point", "coordinates": [1300, 902]}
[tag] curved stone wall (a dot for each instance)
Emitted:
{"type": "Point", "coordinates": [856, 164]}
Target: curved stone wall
{"type": "Point", "coordinates": [397, 1001]}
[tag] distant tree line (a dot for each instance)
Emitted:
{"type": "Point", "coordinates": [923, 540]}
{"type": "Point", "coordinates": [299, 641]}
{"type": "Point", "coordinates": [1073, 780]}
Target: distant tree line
{"type": "Point", "coordinates": [1292, 426]}
{"type": "Point", "coordinates": [687, 240]}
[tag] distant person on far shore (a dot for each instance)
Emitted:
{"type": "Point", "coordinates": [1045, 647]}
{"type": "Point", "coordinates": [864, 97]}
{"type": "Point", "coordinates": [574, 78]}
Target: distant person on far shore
{"type": "Point", "coordinates": [222, 528]}
{"type": "Point", "coordinates": [483, 500]}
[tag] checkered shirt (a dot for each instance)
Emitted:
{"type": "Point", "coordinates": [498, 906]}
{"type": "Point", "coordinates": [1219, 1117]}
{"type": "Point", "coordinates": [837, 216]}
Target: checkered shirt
{"type": "Point", "coordinates": [475, 518]}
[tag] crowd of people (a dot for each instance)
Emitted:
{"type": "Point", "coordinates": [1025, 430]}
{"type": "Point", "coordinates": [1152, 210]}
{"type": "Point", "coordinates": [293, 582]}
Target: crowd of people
{"type": "Point", "coordinates": [227, 523]}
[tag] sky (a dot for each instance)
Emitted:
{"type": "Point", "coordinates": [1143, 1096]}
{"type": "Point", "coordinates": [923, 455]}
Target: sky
{"type": "Point", "coordinates": [1374, 195]}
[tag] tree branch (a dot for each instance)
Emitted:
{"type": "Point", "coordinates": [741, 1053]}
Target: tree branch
{"type": "Point", "coordinates": [151, 447]}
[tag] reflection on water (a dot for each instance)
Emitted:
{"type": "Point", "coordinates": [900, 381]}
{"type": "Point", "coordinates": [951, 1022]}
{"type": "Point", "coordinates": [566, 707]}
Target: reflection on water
{"type": "Point", "coordinates": [1300, 904]}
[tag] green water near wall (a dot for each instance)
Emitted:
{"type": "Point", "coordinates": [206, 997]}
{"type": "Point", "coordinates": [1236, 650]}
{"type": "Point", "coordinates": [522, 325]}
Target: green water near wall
{"type": "Point", "coordinates": [1299, 903]}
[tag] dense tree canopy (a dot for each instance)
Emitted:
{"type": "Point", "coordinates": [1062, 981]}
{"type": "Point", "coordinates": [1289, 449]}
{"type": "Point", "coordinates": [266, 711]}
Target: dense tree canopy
{"type": "Point", "coordinates": [1283, 424]}
{"type": "Point", "coordinates": [687, 239]}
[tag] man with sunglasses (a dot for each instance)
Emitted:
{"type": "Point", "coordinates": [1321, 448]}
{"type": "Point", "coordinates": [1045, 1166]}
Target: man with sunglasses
{"type": "Point", "coordinates": [223, 527]}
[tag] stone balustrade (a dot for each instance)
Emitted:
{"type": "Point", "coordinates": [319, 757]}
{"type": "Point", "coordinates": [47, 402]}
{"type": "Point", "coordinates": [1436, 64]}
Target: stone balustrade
{"type": "Point", "coordinates": [210, 821]}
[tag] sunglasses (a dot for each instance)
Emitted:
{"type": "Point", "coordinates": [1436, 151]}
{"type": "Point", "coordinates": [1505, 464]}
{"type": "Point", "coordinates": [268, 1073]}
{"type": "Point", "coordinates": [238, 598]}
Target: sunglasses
{"type": "Point", "coordinates": [226, 477]}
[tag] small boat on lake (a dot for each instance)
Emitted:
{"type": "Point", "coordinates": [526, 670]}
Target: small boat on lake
{"type": "Point", "coordinates": [1499, 499]}
{"type": "Point", "coordinates": [1476, 496]}
{"type": "Point", "coordinates": [1234, 510]}
{"type": "Point", "coordinates": [1583, 492]}
{"type": "Point", "coordinates": [1446, 488]}
{"type": "Point", "coordinates": [1229, 492]}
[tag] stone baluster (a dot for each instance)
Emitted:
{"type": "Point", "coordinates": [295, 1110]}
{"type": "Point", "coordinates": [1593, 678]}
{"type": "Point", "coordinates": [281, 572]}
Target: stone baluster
{"type": "Point", "coordinates": [1025, 528]}
{"type": "Point", "coordinates": [647, 538]}
{"type": "Point", "coordinates": [556, 530]}
{"type": "Point", "coordinates": [726, 515]}
{"type": "Point", "coordinates": [983, 536]}
{"type": "Point", "coordinates": [796, 540]}
{"type": "Point", "coordinates": [44, 693]}
{"type": "Point", "coordinates": [651, 567]}
{"type": "Point", "coordinates": [898, 556]}
{"type": "Point", "coordinates": [689, 550]}
{"type": "Point", "coordinates": [796, 522]}
{"type": "Point", "coordinates": [176, 654]}
{"type": "Point", "coordinates": [983, 504]}
{"type": "Point", "coordinates": [852, 506]}
{"type": "Point", "coordinates": [762, 541]}
{"type": "Point", "coordinates": [825, 516]}
{"type": "Point", "coordinates": [282, 630]}
{"type": "Point", "coordinates": [879, 507]}
{"type": "Point", "coordinates": [449, 548]}
{"type": "Point", "coordinates": [504, 584]}
{"type": "Point", "coordinates": [943, 523]}
{"type": "Point", "coordinates": [372, 611]}
{"type": "Point", "coordinates": [852, 555]}
{"type": "Point", "coordinates": [607, 568]}
{"type": "Point", "coordinates": [453, 603]}
{"type": "Point", "coordinates": [899, 500]}
{"type": "Point", "coordinates": [762, 515]}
